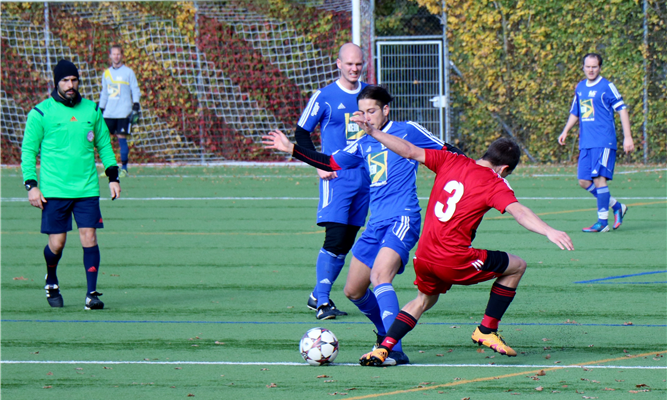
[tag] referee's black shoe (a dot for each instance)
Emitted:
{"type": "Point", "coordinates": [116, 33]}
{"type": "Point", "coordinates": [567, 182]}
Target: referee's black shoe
{"type": "Point", "coordinates": [93, 302]}
{"type": "Point", "coordinates": [312, 304]}
{"type": "Point", "coordinates": [53, 296]}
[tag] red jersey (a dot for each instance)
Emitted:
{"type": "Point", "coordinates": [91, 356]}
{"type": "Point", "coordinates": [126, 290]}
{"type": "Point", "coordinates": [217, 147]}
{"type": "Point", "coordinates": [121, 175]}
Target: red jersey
{"type": "Point", "coordinates": [462, 193]}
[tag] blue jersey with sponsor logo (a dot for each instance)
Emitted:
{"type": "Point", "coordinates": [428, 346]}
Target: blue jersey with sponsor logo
{"type": "Point", "coordinates": [332, 107]}
{"type": "Point", "coordinates": [393, 178]}
{"type": "Point", "coordinates": [594, 104]}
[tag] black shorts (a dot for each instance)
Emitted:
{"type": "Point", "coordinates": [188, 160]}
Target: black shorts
{"type": "Point", "coordinates": [57, 214]}
{"type": "Point", "coordinates": [121, 125]}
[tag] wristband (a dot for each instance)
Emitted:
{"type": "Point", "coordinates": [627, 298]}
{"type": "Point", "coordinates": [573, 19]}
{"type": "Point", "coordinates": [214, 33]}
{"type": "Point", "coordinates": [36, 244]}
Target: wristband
{"type": "Point", "coordinates": [30, 183]}
{"type": "Point", "coordinates": [112, 173]}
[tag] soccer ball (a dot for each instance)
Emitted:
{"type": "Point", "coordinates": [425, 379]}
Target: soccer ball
{"type": "Point", "coordinates": [319, 346]}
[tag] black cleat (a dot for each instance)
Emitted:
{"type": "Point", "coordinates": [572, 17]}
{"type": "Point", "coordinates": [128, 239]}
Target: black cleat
{"type": "Point", "coordinates": [53, 295]}
{"type": "Point", "coordinates": [312, 304]}
{"type": "Point", "coordinates": [93, 302]}
{"type": "Point", "coordinates": [399, 357]}
{"type": "Point", "coordinates": [325, 311]}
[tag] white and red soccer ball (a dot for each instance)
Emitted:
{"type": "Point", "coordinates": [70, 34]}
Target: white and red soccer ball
{"type": "Point", "coordinates": [319, 346]}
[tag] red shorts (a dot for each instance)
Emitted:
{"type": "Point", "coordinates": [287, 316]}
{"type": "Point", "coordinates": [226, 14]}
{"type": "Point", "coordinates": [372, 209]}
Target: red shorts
{"type": "Point", "coordinates": [469, 269]}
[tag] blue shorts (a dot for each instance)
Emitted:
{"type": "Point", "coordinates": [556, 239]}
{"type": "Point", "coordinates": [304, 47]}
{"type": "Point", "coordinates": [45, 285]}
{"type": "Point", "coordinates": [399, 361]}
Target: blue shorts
{"type": "Point", "coordinates": [597, 161]}
{"type": "Point", "coordinates": [344, 199]}
{"type": "Point", "coordinates": [399, 234]}
{"type": "Point", "coordinates": [57, 214]}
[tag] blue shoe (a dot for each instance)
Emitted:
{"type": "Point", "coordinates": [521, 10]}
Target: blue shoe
{"type": "Point", "coordinates": [597, 227]}
{"type": "Point", "coordinates": [618, 216]}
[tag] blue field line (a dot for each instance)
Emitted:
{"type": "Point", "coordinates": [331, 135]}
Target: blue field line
{"type": "Point", "coordinates": [626, 276]}
{"type": "Point", "coordinates": [311, 323]}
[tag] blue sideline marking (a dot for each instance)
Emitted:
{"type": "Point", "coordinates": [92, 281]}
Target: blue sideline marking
{"type": "Point", "coordinates": [310, 323]}
{"type": "Point", "coordinates": [625, 276]}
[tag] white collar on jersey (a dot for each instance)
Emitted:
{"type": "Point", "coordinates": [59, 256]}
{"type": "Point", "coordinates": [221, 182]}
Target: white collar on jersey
{"type": "Point", "coordinates": [355, 91]}
{"type": "Point", "coordinates": [595, 82]}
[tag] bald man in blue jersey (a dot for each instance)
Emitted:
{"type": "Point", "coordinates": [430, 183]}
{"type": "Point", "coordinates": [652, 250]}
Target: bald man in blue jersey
{"type": "Point", "coordinates": [343, 204]}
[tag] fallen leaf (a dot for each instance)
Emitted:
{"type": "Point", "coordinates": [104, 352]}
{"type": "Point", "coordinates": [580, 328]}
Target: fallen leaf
{"type": "Point", "coordinates": [577, 391]}
{"type": "Point", "coordinates": [290, 306]}
{"type": "Point", "coordinates": [480, 350]}
{"type": "Point", "coordinates": [539, 388]}
{"type": "Point", "coordinates": [454, 327]}
{"type": "Point", "coordinates": [548, 356]}
{"type": "Point", "coordinates": [182, 368]}
{"type": "Point", "coordinates": [619, 380]}
{"type": "Point", "coordinates": [591, 345]}
{"type": "Point", "coordinates": [625, 351]}
{"type": "Point", "coordinates": [421, 351]}
{"type": "Point", "coordinates": [545, 339]}
{"type": "Point", "coordinates": [172, 387]}
{"type": "Point", "coordinates": [216, 342]}
{"type": "Point", "coordinates": [108, 368]}
{"type": "Point", "coordinates": [450, 350]}
{"type": "Point", "coordinates": [556, 362]}
{"type": "Point", "coordinates": [264, 369]}
{"type": "Point", "coordinates": [439, 355]}
{"type": "Point", "coordinates": [195, 345]}
{"type": "Point", "coordinates": [589, 397]}
{"type": "Point", "coordinates": [555, 391]}
{"type": "Point", "coordinates": [610, 389]}
{"type": "Point", "coordinates": [466, 398]}
{"type": "Point", "coordinates": [627, 323]}
{"type": "Point", "coordinates": [36, 352]}
{"type": "Point", "coordinates": [570, 321]}
{"type": "Point", "coordinates": [547, 348]}
{"type": "Point", "coordinates": [114, 275]}
{"type": "Point", "coordinates": [541, 373]}
{"type": "Point", "coordinates": [457, 379]}
{"type": "Point", "coordinates": [49, 373]}
{"type": "Point", "coordinates": [323, 376]}
{"type": "Point", "coordinates": [21, 278]}
{"type": "Point", "coordinates": [47, 387]}
{"type": "Point", "coordinates": [272, 385]}
{"type": "Point", "coordinates": [79, 369]}
{"type": "Point", "coordinates": [641, 385]}
{"type": "Point", "coordinates": [329, 381]}
{"type": "Point", "coordinates": [191, 395]}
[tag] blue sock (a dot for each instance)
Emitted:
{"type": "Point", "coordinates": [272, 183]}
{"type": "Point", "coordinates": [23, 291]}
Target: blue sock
{"type": "Point", "coordinates": [91, 262]}
{"type": "Point", "coordinates": [603, 204]}
{"type": "Point", "coordinates": [388, 302]}
{"type": "Point", "coordinates": [329, 266]}
{"type": "Point", "coordinates": [51, 265]}
{"type": "Point", "coordinates": [124, 151]}
{"type": "Point", "coordinates": [368, 305]}
{"type": "Point", "coordinates": [613, 203]}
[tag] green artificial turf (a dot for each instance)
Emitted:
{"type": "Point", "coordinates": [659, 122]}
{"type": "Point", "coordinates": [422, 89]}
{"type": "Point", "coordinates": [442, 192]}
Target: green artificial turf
{"type": "Point", "coordinates": [224, 277]}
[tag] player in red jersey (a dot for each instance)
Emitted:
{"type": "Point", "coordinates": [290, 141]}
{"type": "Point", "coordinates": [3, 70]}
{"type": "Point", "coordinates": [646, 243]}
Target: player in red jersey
{"type": "Point", "coordinates": [463, 191]}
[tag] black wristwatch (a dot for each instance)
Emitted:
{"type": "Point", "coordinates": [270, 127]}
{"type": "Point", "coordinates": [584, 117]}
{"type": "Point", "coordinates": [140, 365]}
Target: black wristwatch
{"type": "Point", "coordinates": [30, 183]}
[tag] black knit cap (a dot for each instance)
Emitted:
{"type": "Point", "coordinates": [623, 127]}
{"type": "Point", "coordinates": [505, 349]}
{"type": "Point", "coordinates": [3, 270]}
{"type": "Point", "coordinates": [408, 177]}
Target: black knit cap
{"type": "Point", "coordinates": [64, 69]}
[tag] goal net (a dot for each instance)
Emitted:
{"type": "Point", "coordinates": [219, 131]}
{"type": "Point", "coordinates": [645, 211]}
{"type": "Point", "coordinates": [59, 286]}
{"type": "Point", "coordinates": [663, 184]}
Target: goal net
{"type": "Point", "coordinates": [214, 76]}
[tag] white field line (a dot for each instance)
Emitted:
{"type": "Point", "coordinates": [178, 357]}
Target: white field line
{"type": "Point", "coordinates": [25, 199]}
{"type": "Point", "coordinates": [301, 364]}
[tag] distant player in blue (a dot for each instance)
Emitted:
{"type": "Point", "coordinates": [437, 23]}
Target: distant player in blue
{"type": "Point", "coordinates": [595, 101]}
{"type": "Point", "coordinates": [383, 249]}
{"type": "Point", "coordinates": [343, 205]}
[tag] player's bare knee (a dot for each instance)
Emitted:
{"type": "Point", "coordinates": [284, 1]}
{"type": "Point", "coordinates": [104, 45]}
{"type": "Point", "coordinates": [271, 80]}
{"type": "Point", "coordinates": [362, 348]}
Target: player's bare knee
{"type": "Point", "coordinates": [353, 293]}
{"type": "Point", "coordinates": [57, 243]}
{"type": "Point", "coordinates": [517, 266]}
{"type": "Point", "coordinates": [584, 183]}
{"type": "Point", "coordinates": [88, 237]}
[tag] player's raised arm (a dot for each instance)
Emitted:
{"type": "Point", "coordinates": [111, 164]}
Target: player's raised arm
{"type": "Point", "coordinates": [277, 140]}
{"type": "Point", "coordinates": [399, 146]}
{"type": "Point", "coordinates": [527, 218]}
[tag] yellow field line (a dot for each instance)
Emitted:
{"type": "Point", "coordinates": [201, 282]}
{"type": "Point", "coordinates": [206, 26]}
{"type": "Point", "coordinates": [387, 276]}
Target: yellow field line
{"type": "Point", "coordinates": [581, 210]}
{"type": "Point", "coordinates": [490, 378]}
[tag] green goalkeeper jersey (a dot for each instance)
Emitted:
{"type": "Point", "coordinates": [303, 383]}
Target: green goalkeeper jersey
{"type": "Point", "coordinates": [67, 138]}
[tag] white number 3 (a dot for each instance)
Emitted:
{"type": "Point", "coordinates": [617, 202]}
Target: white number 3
{"type": "Point", "coordinates": [457, 189]}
